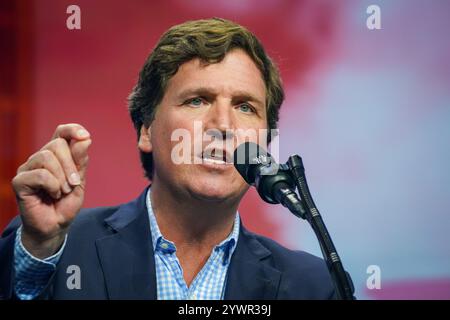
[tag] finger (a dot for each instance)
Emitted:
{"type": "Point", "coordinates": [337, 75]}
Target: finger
{"type": "Point", "coordinates": [79, 150]}
{"type": "Point", "coordinates": [61, 149]}
{"type": "Point", "coordinates": [28, 182]}
{"type": "Point", "coordinates": [46, 159]}
{"type": "Point", "coordinates": [71, 131]}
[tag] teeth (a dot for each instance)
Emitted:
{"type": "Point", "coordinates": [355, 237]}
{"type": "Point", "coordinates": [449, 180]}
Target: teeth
{"type": "Point", "coordinates": [215, 161]}
{"type": "Point", "coordinates": [215, 156]}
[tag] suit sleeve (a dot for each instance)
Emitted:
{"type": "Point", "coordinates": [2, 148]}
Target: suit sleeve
{"type": "Point", "coordinates": [7, 242]}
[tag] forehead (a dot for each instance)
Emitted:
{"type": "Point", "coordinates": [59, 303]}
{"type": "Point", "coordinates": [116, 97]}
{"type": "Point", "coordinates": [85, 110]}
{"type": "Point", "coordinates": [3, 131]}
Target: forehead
{"type": "Point", "coordinates": [235, 73]}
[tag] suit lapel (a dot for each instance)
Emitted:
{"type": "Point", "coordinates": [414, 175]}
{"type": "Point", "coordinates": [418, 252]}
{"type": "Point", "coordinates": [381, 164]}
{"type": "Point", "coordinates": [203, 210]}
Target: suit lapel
{"type": "Point", "coordinates": [128, 264]}
{"type": "Point", "coordinates": [126, 256]}
{"type": "Point", "coordinates": [250, 275]}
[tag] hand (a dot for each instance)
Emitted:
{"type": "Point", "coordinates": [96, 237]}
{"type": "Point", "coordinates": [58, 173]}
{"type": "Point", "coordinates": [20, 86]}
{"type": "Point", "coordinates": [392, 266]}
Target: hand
{"type": "Point", "coordinates": [49, 188]}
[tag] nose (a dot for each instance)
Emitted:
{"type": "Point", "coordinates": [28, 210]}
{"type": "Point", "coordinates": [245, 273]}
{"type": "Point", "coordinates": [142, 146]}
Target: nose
{"type": "Point", "coordinates": [220, 120]}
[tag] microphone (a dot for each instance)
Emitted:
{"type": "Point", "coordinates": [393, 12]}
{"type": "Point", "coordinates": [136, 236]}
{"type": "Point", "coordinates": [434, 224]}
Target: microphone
{"type": "Point", "coordinates": [276, 184]}
{"type": "Point", "coordinates": [273, 181]}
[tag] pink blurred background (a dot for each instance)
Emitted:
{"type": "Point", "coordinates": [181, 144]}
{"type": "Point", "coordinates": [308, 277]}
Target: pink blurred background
{"type": "Point", "coordinates": [368, 110]}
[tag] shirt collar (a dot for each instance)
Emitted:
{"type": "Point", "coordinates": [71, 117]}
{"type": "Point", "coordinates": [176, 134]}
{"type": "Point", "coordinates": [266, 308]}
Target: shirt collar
{"type": "Point", "coordinates": [161, 244]}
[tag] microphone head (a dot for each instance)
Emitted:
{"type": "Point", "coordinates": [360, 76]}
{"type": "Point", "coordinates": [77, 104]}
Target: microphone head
{"type": "Point", "coordinates": [249, 158]}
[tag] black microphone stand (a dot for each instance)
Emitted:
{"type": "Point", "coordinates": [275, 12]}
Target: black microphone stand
{"type": "Point", "coordinates": [342, 280]}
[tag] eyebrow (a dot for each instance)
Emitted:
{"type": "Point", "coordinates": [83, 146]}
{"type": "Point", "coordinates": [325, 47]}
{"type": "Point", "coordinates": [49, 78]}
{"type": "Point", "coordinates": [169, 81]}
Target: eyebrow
{"type": "Point", "coordinates": [238, 95]}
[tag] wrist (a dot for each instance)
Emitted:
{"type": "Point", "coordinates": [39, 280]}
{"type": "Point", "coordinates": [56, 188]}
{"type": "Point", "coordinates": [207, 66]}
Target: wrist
{"type": "Point", "coordinates": [39, 247]}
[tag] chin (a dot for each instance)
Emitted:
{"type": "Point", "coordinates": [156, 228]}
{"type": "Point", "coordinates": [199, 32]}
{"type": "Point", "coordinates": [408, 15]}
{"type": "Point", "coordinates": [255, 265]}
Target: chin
{"type": "Point", "coordinates": [213, 191]}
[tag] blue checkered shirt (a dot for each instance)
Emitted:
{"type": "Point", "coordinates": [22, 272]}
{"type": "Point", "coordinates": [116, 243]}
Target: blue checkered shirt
{"type": "Point", "coordinates": [32, 274]}
{"type": "Point", "coordinates": [210, 282]}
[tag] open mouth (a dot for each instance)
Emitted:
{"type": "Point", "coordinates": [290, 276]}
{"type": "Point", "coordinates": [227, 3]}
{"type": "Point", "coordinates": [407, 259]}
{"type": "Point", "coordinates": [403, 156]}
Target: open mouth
{"type": "Point", "coordinates": [215, 156]}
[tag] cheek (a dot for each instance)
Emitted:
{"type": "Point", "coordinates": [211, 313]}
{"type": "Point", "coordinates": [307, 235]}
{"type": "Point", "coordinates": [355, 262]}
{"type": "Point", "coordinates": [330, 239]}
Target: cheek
{"type": "Point", "coordinates": [257, 133]}
{"type": "Point", "coordinates": [168, 135]}
{"type": "Point", "coordinates": [174, 121]}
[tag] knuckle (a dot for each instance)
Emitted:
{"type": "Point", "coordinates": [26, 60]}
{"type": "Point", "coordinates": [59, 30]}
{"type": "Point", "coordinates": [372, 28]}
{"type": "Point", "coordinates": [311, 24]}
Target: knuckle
{"type": "Point", "coordinates": [21, 168]}
{"type": "Point", "coordinates": [40, 175]}
{"type": "Point", "coordinates": [15, 182]}
{"type": "Point", "coordinates": [72, 126]}
{"type": "Point", "coordinates": [60, 128]}
{"type": "Point", "coordinates": [58, 144]}
{"type": "Point", "coordinates": [46, 155]}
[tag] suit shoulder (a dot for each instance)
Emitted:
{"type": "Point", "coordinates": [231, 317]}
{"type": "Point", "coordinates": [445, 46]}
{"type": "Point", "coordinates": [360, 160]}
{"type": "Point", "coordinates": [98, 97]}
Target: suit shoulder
{"type": "Point", "coordinates": [287, 257]}
{"type": "Point", "coordinates": [299, 269]}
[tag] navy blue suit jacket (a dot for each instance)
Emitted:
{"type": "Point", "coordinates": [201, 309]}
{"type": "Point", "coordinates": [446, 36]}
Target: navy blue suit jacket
{"type": "Point", "coordinates": [113, 248]}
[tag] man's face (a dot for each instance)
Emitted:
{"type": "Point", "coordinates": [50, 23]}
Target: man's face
{"type": "Point", "coordinates": [204, 100]}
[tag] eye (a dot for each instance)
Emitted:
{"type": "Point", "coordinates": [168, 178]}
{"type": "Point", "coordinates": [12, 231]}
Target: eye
{"type": "Point", "coordinates": [195, 102]}
{"type": "Point", "coordinates": [246, 108]}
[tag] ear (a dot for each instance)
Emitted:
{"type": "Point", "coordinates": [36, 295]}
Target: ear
{"type": "Point", "coordinates": [145, 144]}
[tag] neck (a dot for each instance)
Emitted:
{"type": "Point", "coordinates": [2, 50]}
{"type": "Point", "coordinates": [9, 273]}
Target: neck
{"type": "Point", "coordinates": [188, 221]}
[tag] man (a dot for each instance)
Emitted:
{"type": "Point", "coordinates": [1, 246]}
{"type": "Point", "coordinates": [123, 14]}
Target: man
{"type": "Point", "coordinates": [182, 238]}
